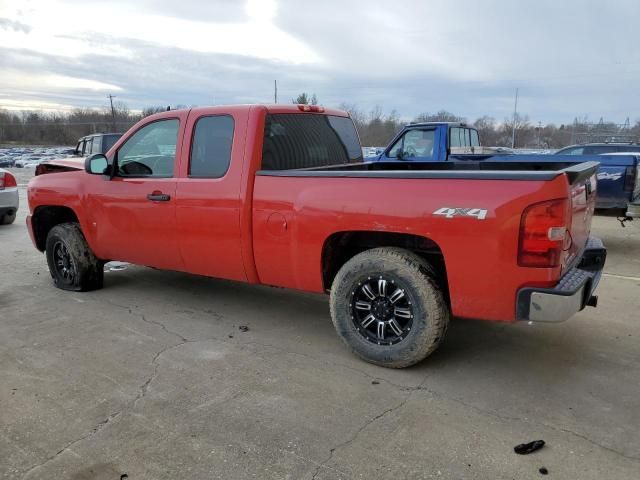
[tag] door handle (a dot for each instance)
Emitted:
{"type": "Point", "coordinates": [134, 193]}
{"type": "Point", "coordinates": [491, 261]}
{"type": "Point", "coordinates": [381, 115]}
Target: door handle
{"type": "Point", "coordinates": [157, 196]}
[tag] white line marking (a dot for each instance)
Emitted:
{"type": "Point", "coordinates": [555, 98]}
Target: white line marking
{"type": "Point", "coordinates": [623, 277]}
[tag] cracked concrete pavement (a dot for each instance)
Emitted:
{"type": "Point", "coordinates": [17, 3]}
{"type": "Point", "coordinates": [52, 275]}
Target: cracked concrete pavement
{"type": "Point", "coordinates": [152, 377]}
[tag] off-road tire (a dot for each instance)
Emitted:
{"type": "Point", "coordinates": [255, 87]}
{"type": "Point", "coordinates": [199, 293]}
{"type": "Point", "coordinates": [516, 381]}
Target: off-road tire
{"type": "Point", "coordinates": [430, 309]}
{"type": "Point", "coordinates": [88, 271]}
{"type": "Point", "coordinates": [8, 219]}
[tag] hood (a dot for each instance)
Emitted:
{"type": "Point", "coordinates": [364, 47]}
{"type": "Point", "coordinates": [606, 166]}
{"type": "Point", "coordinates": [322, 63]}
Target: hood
{"type": "Point", "coordinates": [60, 165]}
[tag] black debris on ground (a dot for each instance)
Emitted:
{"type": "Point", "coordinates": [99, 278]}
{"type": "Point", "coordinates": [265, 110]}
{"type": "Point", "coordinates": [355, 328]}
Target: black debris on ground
{"type": "Point", "coordinates": [527, 448]}
{"type": "Point", "coordinates": [543, 471]}
{"type": "Point", "coordinates": [375, 382]}
{"type": "Point", "coordinates": [243, 328]}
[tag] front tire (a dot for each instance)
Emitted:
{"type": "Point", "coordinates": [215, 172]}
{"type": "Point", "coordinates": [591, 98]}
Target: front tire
{"type": "Point", "coordinates": [72, 264]}
{"type": "Point", "coordinates": [387, 307]}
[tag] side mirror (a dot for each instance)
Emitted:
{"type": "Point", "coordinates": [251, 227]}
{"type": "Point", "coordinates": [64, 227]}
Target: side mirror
{"type": "Point", "coordinates": [400, 154]}
{"type": "Point", "coordinates": [96, 164]}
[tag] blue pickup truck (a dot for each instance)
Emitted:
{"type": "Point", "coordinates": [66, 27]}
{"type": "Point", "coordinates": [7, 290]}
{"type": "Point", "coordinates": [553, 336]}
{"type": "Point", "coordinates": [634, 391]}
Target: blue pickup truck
{"type": "Point", "coordinates": [618, 177]}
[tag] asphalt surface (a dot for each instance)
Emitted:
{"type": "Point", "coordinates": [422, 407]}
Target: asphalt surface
{"type": "Point", "coordinates": [152, 378]}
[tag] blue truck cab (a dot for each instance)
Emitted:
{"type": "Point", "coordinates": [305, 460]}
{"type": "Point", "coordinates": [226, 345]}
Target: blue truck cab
{"type": "Point", "coordinates": [437, 142]}
{"type": "Point", "coordinates": [618, 176]}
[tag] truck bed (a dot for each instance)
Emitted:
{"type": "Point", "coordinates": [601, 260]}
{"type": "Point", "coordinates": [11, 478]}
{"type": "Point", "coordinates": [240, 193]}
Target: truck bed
{"type": "Point", "coordinates": [452, 170]}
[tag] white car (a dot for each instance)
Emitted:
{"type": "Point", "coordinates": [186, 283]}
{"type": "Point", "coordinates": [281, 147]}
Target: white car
{"type": "Point", "coordinates": [9, 200]}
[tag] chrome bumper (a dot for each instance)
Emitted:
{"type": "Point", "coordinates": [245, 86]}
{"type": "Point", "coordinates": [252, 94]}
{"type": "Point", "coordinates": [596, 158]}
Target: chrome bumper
{"type": "Point", "coordinates": [573, 292]}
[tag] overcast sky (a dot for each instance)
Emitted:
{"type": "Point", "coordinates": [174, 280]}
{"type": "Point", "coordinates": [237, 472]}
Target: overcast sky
{"type": "Point", "coordinates": [568, 58]}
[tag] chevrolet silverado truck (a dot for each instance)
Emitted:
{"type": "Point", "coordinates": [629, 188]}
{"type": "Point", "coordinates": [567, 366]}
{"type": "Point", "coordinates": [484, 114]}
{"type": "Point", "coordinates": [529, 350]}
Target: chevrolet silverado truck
{"type": "Point", "coordinates": [618, 175]}
{"type": "Point", "coordinates": [280, 195]}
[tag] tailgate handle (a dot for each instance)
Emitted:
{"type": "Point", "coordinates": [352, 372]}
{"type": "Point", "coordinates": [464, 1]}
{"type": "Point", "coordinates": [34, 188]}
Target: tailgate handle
{"type": "Point", "coordinates": [158, 196]}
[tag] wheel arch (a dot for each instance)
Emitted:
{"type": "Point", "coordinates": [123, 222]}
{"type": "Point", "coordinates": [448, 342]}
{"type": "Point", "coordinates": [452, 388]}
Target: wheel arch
{"type": "Point", "coordinates": [46, 217]}
{"type": "Point", "coordinates": [340, 247]}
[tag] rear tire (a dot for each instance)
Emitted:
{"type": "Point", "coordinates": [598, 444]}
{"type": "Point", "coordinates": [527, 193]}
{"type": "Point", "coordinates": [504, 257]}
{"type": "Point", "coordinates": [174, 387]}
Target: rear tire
{"type": "Point", "coordinates": [397, 288]}
{"type": "Point", "coordinates": [72, 264]}
{"type": "Point", "coordinates": [8, 219]}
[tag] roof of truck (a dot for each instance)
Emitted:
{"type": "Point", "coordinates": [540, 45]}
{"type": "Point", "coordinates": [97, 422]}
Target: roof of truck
{"type": "Point", "coordinates": [435, 124]}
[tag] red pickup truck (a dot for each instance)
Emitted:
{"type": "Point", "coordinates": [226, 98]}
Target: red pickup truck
{"type": "Point", "coordinates": [280, 195]}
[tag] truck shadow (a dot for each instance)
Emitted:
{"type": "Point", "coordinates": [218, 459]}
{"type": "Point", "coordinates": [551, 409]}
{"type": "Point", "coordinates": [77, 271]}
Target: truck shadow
{"type": "Point", "coordinates": [276, 316]}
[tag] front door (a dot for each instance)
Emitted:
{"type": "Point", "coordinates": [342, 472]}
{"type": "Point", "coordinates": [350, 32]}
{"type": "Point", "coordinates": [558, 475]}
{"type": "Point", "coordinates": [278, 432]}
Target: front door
{"type": "Point", "coordinates": [135, 211]}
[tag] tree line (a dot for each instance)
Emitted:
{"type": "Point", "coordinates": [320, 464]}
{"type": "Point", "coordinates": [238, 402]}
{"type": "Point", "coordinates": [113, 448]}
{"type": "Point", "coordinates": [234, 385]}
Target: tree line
{"type": "Point", "coordinates": [376, 128]}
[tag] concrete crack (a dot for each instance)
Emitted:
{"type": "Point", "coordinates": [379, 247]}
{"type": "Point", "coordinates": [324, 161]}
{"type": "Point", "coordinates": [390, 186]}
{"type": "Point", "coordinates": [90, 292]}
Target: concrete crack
{"type": "Point", "coordinates": [143, 389]}
{"type": "Point", "coordinates": [151, 322]}
{"type": "Point", "coordinates": [367, 424]}
{"type": "Point", "coordinates": [69, 446]}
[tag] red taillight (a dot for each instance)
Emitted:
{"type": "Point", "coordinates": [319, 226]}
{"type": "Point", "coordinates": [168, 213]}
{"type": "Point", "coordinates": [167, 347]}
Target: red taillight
{"type": "Point", "coordinates": [543, 231]}
{"type": "Point", "coordinates": [310, 108]}
{"type": "Point", "coordinates": [7, 180]}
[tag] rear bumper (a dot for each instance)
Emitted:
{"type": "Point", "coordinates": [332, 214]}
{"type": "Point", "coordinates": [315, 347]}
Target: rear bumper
{"type": "Point", "coordinates": [573, 292]}
{"type": "Point", "coordinates": [9, 198]}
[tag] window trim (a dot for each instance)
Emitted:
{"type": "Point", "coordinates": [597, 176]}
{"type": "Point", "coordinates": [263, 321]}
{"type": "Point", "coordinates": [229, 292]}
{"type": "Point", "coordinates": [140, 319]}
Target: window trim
{"type": "Point", "coordinates": [193, 136]}
{"type": "Point", "coordinates": [115, 156]}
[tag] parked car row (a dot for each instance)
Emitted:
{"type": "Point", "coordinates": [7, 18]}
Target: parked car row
{"type": "Point", "coordinates": [22, 157]}
{"type": "Point", "coordinates": [31, 157]}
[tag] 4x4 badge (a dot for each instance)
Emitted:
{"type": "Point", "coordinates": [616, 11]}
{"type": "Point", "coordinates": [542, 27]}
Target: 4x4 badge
{"type": "Point", "coordinates": [448, 212]}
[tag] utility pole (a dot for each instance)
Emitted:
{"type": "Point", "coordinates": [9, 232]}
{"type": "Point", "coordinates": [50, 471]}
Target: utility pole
{"type": "Point", "coordinates": [113, 112]}
{"type": "Point", "coordinates": [515, 114]}
{"type": "Point", "coordinates": [539, 129]}
{"type": "Point", "coordinates": [275, 91]}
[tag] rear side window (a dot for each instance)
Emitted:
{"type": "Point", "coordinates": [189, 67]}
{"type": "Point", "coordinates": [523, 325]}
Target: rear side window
{"type": "Point", "coordinates": [109, 141]}
{"type": "Point", "coordinates": [211, 147]}
{"type": "Point", "coordinates": [457, 137]}
{"type": "Point", "coordinates": [95, 145]}
{"type": "Point", "coordinates": [299, 140]}
{"type": "Point", "coordinates": [599, 149]}
{"type": "Point", "coordinates": [629, 148]}
{"type": "Point", "coordinates": [475, 140]}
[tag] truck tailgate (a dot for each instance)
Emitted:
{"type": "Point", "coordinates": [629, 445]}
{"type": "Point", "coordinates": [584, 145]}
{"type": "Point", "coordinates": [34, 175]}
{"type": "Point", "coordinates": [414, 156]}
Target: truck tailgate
{"type": "Point", "coordinates": [582, 187]}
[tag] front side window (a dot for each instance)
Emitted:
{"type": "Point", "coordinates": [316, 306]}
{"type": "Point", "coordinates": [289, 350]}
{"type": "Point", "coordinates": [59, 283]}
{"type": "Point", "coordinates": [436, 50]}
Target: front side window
{"type": "Point", "coordinates": [572, 151]}
{"type": "Point", "coordinates": [414, 144]}
{"type": "Point", "coordinates": [300, 140]}
{"type": "Point", "coordinates": [211, 148]}
{"type": "Point", "coordinates": [151, 151]}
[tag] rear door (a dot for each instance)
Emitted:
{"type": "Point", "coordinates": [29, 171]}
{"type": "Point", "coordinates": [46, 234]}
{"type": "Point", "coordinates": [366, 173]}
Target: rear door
{"type": "Point", "coordinates": [135, 211]}
{"type": "Point", "coordinates": [208, 203]}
